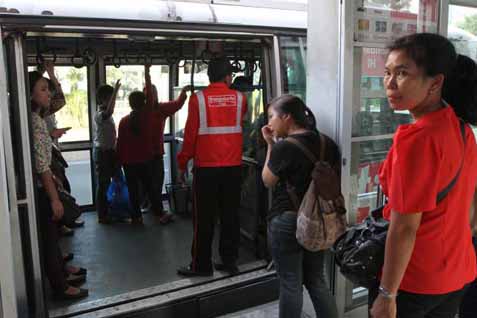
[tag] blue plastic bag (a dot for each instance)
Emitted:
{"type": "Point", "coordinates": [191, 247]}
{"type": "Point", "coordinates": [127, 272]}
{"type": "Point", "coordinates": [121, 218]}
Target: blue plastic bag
{"type": "Point", "coordinates": [118, 197]}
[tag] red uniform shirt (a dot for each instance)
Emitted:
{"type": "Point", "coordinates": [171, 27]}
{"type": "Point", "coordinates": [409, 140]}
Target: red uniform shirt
{"type": "Point", "coordinates": [133, 148]}
{"type": "Point", "coordinates": [203, 141]}
{"type": "Point", "coordinates": [424, 158]}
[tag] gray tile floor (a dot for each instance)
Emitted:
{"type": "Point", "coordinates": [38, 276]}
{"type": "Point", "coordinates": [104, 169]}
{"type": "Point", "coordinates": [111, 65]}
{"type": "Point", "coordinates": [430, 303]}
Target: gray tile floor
{"type": "Point", "coordinates": [270, 310]}
{"type": "Point", "coordinates": [121, 258]}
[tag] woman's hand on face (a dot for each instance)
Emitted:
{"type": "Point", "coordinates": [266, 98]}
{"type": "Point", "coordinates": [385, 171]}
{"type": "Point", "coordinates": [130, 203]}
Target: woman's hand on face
{"type": "Point", "coordinates": [267, 134]}
{"type": "Point", "coordinates": [58, 210]}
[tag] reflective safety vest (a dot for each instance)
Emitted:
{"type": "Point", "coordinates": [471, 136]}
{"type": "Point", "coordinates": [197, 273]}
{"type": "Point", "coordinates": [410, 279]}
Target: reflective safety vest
{"type": "Point", "coordinates": [213, 132]}
{"type": "Point", "coordinates": [220, 101]}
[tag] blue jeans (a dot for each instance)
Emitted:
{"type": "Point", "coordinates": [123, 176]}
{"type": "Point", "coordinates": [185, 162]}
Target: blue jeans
{"type": "Point", "coordinates": [297, 267]}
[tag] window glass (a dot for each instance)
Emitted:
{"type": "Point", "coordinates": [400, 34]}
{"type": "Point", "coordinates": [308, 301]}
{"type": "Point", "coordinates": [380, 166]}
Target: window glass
{"type": "Point", "coordinates": [293, 63]}
{"type": "Point", "coordinates": [201, 81]}
{"type": "Point", "coordinates": [167, 166]}
{"type": "Point", "coordinates": [79, 175]}
{"type": "Point", "coordinates": [74, 84]}
{"type": "Point", "coordinates": [372, 115]}
{"type": "Point", "coordinates": [385, 20]}
{"type": "Point", "coordinates": [132, 79]}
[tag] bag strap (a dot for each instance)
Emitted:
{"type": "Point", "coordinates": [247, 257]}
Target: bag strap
{"type": "Point", "coordinates": [307, 151]}
{"type": "Point", "coordinates": [441, 195]}
{"type": "Point", "coordinates": [310, 156]}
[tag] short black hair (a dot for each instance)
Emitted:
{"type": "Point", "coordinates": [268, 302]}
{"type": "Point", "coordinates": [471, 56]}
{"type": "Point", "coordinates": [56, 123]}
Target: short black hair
{"type": "Point", "coordinates": [104, 93]}
{"type": "Point", "coordinates": [218, 69]}
{"type": "Point", "coordinates": [242, 84]}
{"type": "Point", "coordinates": [137, 100]}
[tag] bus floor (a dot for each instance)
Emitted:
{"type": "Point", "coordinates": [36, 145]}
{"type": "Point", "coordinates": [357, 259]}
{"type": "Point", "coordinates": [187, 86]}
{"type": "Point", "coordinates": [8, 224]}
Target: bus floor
{"type": "Point", "coordinates": [122, 258]}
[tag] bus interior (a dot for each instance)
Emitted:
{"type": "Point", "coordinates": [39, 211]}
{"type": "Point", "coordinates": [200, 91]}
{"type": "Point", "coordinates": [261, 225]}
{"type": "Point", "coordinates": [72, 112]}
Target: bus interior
{"type": "Point", "coordinates": [127, 263]}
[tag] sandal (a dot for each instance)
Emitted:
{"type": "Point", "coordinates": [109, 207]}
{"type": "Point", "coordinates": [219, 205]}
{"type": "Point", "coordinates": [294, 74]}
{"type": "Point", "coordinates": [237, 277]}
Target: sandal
{"type": "Point", "coordinates": [166, 218]}
{"type": "Point", "coordinates": [75, 280]}
{"type": "Point", "coordinates": [80, 293]}
{"type": "Point", "coordinates": [68, 257]}
{"type": "Point", "coordinates": [79, 270]}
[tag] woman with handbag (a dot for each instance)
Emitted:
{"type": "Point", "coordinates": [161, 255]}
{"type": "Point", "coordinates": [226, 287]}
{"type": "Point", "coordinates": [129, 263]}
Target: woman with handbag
{"type": "Point", "coordinates": [50, 208]}
{"type": "Point", "coordinates": [429, 257]}
{"type": "Point", "coordinates": [286, 165]}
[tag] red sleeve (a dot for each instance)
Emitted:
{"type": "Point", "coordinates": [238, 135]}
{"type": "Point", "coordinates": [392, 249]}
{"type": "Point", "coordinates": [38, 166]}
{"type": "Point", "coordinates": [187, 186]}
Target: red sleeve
{"type": "Point", "coordinates": [415, 173]}
{"type": "Point", "coordinates": [169, 108]}
{"type": "Point", "coordinates": [149, 93]}
{"type": "Point", "coordinates": [190, 134]}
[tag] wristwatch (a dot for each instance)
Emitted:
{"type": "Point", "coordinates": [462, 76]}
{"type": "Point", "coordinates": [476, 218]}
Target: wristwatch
{"type": "Point", "coordinates": [386, 293]}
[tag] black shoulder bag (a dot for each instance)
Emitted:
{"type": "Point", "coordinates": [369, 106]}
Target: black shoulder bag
{"type": "Point", "coordinates": [359, 252]}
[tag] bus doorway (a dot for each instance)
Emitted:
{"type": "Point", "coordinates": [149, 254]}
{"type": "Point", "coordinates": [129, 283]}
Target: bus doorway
{"type": "Point", "coordinates": [124, 262]}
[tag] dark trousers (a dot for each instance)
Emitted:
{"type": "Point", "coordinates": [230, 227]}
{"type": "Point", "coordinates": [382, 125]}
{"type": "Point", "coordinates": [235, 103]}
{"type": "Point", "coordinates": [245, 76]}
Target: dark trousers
{"type": "Point", "coordinates": [105, 165]}
{"type": "Point", "coordinates": [410, 305]}
{"type": "Point", "coordinates": [139, 176]}
{"type": "Point", "coordinates": [468, 307]}
{"type": "Point", "coordinates": [52, 256]}
{"type": "Point", "coordinates": [216, 193]}
{"type": "Point", "coordinates": [158, 180]}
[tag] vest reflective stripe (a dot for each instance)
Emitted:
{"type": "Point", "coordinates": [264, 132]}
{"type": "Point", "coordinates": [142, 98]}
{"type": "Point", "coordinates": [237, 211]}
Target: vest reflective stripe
{"type": "Point", "coordinates": [220, 130]}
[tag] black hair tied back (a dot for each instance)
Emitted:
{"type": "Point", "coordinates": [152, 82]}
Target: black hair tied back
{"type": "Point", "coordinates": [460, 89]}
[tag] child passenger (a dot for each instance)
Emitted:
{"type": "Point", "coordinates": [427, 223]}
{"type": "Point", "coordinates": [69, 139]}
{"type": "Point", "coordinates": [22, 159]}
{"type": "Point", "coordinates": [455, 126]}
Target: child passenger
{"type": "Point", "coordinates": [104, 147]}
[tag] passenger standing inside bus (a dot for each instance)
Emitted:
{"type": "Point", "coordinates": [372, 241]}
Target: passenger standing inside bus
{"type": "Point", "coordinates": [105, 147]}
{"type": "Point", "coordinates": [213, 138]}
{"type": "Point", "coordinates": [429, 257]}
{"type": "Point", "coordinates": [159, 113]}
{"type": "Point", "coordinates": [50, 207]}
{"type": "Point", "coordinates": [286, 165]}
{"type": "Point", "coordinates": [135, 154]}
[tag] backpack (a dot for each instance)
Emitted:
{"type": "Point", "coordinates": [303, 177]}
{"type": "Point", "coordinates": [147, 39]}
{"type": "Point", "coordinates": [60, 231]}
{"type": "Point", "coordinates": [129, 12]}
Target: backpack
{"type": "Point", "coordinates": [321, 215]}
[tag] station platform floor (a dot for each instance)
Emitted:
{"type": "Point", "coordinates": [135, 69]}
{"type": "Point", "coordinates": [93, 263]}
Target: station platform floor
{"type": "Point", "coordinates": [270, 310]}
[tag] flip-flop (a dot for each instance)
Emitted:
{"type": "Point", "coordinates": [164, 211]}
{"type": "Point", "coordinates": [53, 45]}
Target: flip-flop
{"type": "Point", "coordinates": [166, 218]}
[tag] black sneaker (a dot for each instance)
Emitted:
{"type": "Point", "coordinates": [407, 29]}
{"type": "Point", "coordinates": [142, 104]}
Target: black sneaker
{"type": "Point", "coordinates": [231, 268]}
{"type": "Point", "coordinates": [187, 271]}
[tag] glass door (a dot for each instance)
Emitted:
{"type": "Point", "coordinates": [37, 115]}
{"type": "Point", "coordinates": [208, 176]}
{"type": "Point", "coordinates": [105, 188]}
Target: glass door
{"type": "Point", "coordinates": [462, 29]}
{"type": "Point", "coordinates": [373, 122]}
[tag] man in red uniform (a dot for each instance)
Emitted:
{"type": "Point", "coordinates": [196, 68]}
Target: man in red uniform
{"type": "Point", "coordinates": [213, 138]}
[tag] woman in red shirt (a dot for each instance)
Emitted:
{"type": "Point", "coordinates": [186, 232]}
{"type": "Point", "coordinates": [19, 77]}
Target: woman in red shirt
{"type": "Point", "coordinates": [135, 152]}
{"type": "Point", "coordinates": [429, 258]}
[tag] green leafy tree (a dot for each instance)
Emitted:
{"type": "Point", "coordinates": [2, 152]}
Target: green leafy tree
{"type": "Point", "coordinates": [75, 112]}
{"type": "Point", "coordinates": [469, 24]}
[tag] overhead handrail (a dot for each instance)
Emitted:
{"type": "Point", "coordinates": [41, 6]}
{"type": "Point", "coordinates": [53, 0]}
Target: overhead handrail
{"type": "Point", "coordinates": [89, 56]}
{"type": "Point", "coordinates": [206, 55]}
{"type": "Point", "coordinates": [172, 55]}
{"type": "Point", "coordinates": [40, 58]}
{"type": "Point", "coordinates": [116, 59]}
{"type": "Point", "coordinates": [77, 59]}
{"type": "Point", "coordinates": [192, 71]}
